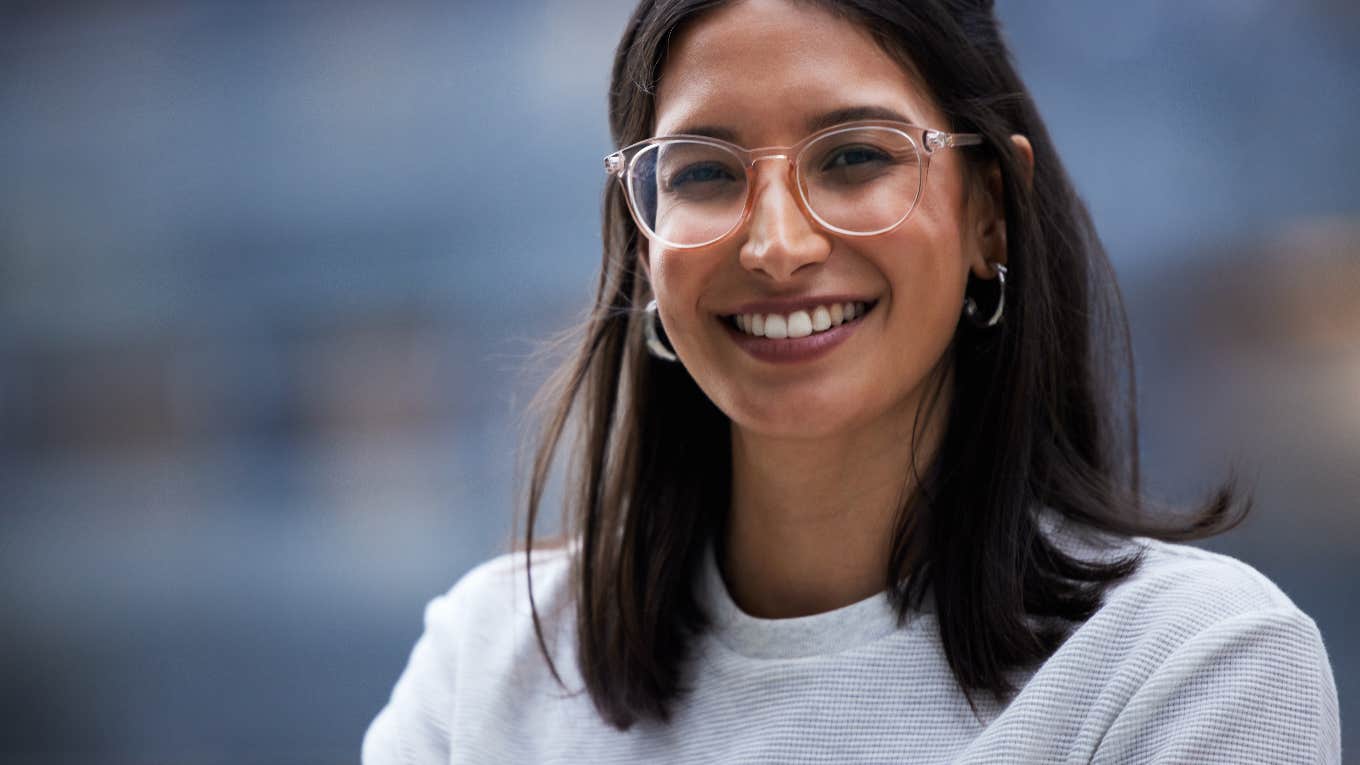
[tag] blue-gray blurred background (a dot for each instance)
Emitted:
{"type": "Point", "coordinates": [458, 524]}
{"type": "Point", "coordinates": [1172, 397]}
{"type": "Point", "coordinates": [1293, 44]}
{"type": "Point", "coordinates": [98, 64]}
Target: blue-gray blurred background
{"type": "Point", "coordinates": [270, 274]}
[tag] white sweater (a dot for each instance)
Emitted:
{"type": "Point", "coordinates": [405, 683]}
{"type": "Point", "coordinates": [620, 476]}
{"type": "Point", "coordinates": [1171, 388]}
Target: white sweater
{"type": "Point", "coordinates": [1196, 658]}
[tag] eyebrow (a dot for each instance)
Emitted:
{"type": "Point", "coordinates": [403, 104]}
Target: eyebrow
{"type": "Point", "coordinates": [854, 113]}
{"type": "Point", "coordinates": [825, 120]}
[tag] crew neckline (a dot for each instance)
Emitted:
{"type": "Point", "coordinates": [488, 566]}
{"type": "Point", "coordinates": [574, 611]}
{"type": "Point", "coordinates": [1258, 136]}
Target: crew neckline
{"type": "Point", "coordinates": [829, 632]}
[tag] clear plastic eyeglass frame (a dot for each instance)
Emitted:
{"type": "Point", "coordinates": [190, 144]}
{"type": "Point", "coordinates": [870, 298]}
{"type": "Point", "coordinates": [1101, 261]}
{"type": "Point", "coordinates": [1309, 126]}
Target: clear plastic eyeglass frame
{"type": "Point", "coordinates": [926, 141]}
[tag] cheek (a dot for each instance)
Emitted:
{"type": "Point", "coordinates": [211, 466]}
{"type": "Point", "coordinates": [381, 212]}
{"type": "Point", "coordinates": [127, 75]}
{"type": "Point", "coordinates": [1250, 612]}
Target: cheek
{"type": "Point", "coordinates": [678, 280]}
{"type": "Point", "coordinates": [927, 277]}
{"type": "Point", "coordinates": [672, 280]}
{"type": "Point", "coordinates": [927, 270]}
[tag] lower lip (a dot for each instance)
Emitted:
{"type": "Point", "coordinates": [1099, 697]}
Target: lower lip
{"type": "Point", "coordinates": [794, 350]}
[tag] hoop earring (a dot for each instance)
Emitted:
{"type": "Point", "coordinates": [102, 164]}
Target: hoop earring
{"type": "Point", "coordinates": [970, 307]}
{"type": "Point", "coordinates": [650, 322]}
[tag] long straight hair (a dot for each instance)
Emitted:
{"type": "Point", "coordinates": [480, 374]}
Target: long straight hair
{"type": "Point", "coordinates": [1042, 412]}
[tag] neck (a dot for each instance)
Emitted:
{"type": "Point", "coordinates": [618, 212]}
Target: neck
{"type": "Point", "coordinates": [812, 519]}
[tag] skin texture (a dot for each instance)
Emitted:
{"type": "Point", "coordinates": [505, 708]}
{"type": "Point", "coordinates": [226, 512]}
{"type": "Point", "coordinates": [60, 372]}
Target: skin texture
{"type": "Point", "coordinates": [822, 449]}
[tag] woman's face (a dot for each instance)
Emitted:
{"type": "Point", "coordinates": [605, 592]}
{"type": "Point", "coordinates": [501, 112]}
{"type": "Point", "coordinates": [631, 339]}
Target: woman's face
{"type": "Point", "coordinates": [764, 70]}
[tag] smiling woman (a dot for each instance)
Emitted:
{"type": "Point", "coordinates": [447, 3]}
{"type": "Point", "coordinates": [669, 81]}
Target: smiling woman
{"type": "Point", "coordinates": [854, 485]}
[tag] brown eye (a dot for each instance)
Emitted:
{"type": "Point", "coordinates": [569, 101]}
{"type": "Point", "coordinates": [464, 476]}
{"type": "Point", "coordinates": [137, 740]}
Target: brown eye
{"type": "Point", "coordinates": [705, 174]}
{"type": "Point", "coordinates": [855, 164]}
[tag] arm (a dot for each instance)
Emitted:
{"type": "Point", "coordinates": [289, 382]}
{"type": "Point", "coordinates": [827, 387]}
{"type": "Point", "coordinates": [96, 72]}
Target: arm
{"type": "Point", "coordinates": [1253, 688]}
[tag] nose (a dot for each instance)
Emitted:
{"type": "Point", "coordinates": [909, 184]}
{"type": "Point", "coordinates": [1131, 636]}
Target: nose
{"type": "Point", "coordinates": [781, 239]}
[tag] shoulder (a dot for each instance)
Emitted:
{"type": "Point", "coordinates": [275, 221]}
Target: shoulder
{"type": "Point", "coordinates": [1197, 656]}
{"type": "Point", "coordinates": [1201, 586]}
{"type": "Point", "coordinates": [487, 616]}
{"type": "Point", "coordinates": [1178, 594]}
{"type": "Point", "coordinates": [478, 648]}
{"type": "Point", "coordinates": [1178, 584]}
{"type": "Point", "coordinates": [499, 587]}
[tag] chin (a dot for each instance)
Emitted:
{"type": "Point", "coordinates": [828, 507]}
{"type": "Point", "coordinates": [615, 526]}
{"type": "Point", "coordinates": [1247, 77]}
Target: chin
{"type": "Point", "coordinates": [800, 417]}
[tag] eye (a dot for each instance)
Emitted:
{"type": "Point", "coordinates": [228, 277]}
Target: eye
{"type": "Point", "coordinates": [699, 174]}
{"type": "Point", "coordinates": [859, 163]}
{"type": "Point", "coordinates": [854, 156]}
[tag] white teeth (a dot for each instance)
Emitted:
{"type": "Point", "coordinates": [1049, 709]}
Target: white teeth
{"type": "Point", "coordinates": [821, 319]}
{"type": "Point", "coordinates": [799, 323]}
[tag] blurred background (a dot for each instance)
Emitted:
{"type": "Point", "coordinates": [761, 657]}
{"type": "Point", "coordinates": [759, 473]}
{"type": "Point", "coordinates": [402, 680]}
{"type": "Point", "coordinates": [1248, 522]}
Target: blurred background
{"type": "Point", "coordinates": [271, 273]}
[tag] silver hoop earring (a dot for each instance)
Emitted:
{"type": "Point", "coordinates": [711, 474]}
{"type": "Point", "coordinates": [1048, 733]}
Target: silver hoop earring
{"type": "Point", "coordinates": [654, 344]}
{"type": "Point", "coordinates": [970, 307]}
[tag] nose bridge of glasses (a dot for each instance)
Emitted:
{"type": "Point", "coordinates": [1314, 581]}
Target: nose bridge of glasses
{"type": "Point", "coordinates": [769, 152]}
{"type": "Point", "coordinates": [755, 156]}
{"type": "Point", "coordinates": [776, 208]}
{"type": "Point", "coordinates": [757, 188]}
{"type": "Point", "coordinates": [782, 156]}
{"type": "Point", "coordinates": [756, 183]}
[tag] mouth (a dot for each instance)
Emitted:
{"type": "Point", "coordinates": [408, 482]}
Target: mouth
{"type": "Point", "coordinates": [801, 323]}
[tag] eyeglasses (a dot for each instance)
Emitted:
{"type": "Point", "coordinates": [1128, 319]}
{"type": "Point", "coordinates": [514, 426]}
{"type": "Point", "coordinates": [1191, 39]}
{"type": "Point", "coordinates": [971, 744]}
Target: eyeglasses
{"type": "Point", "coordinates": [856, 179]}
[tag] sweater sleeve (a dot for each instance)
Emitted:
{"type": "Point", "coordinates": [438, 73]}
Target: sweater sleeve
{"type": "Point", "coordinates": [414, 726]}
{"type": "Point", "coordinates": [1256, 687]}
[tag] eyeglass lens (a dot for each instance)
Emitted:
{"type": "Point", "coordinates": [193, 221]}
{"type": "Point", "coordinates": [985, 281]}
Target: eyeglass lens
{"type": "Point", "coordinates": [859, 180]}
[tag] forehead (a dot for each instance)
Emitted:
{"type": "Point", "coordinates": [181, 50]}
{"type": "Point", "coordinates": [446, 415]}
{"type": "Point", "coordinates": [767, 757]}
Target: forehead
{"type": "Point", "coordinates": [764, 70]}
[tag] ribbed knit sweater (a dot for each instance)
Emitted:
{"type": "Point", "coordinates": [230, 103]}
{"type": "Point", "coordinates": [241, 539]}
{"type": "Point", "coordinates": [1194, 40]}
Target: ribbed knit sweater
{"type": "Point", "coordinates": [1196, 658]}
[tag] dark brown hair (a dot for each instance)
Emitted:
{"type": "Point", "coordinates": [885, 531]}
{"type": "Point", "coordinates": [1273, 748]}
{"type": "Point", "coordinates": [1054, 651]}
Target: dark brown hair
{"type": "Point", "coordinates": [1041, 415]}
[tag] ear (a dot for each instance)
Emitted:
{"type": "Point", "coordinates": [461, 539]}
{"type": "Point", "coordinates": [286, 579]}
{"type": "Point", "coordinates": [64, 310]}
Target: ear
{"type": "Point", "coordinates": [991, 211]}
{"type": "Point", "coordinates": [1026, 153]}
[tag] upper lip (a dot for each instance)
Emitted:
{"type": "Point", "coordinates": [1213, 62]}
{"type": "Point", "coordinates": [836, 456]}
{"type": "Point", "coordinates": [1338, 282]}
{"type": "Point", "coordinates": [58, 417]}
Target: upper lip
{"type": "Point", "coordinates": [790, 304]}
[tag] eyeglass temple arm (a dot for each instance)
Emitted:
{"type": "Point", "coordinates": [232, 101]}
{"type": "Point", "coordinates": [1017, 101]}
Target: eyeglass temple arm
{"type": "Point", "coordinates": [938, 139]}
{"type": "Point", "coordinates": [614, 164]}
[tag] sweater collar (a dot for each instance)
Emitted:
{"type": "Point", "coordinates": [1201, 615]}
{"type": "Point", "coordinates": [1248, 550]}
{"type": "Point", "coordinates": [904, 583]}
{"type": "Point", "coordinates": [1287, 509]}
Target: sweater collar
{"type": "Point", "coordinates": [799, 637]}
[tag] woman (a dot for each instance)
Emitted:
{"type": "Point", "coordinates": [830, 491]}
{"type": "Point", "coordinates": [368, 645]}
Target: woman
{"type": "Point", "coordinates": [850, 488]}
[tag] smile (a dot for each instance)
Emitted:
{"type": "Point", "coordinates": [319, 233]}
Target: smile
{"type": "Point", "coordinates": [801, 323]}
{"type": "Point", "coordinates": [802, 335]}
